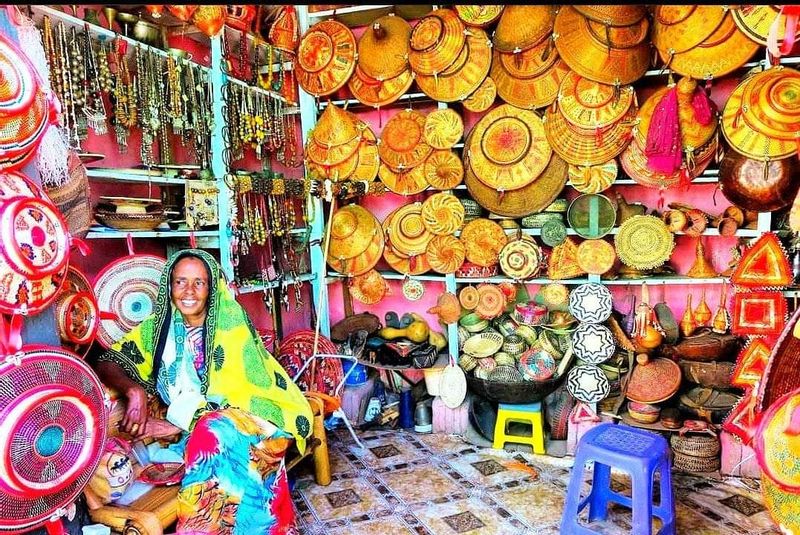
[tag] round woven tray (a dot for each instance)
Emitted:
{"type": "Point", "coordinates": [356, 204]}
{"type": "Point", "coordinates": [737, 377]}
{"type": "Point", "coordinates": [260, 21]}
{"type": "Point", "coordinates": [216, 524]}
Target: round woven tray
{"type": "Point", "coordinates": [526, 392]}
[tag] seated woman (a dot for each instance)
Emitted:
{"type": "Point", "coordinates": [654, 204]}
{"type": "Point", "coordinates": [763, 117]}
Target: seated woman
{"type": "Point", "coordinates": [232, 404]}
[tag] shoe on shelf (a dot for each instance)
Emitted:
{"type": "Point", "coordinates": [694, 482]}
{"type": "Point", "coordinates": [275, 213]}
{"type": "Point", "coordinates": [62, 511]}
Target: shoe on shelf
{"type": "Point", "coordinates": [373, 409]}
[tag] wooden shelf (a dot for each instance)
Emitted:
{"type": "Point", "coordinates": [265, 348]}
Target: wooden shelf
{"type": "Point", "coordinates": [106, 233]}
{"type": "Point", "coordinates": [116, 175]}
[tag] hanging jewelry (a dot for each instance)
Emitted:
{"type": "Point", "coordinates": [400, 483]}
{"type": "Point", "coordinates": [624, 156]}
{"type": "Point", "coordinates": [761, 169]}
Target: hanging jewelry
{"type": "Point", "coordinates": [95, 108]}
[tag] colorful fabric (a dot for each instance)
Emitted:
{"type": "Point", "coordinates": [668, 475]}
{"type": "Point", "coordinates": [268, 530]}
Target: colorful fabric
{"type": "Point", "coordinates": [239, 407]}
{"type": "Point", "coordinates": [235, 478]}
{"type": "Point", "coordinates": [238, 371]}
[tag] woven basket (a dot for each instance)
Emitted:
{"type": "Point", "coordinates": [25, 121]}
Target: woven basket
{"type": "Point", "coordinates": [131, 221]}
{"type": "Point", "coordinates": [525, 392]}
{"type": "Point", "coordinates": [695, 445]}
{"type": "Point", "coordinates": [687, 463]}
{"type": "Point", "coordinates": [72, 198]}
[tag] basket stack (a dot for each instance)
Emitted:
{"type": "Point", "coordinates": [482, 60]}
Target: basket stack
{"type": "Point", "coordinates": [695, 453]}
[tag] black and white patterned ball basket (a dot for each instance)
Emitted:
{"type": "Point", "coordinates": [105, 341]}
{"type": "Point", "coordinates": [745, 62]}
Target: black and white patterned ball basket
{"type": "Point", "coordinates": [590, 303]}
{"type": "Point", "coordinates": [588, 383]}
{"type": "Point", "coordinates": [593, 343]}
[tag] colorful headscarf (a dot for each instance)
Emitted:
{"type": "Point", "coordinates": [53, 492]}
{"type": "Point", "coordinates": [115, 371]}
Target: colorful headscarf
{"type": "Point", "coordinates": [237, 370]}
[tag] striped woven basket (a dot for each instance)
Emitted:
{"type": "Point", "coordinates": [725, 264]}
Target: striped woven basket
{"type": "Point", "coordinates": [696, 445]}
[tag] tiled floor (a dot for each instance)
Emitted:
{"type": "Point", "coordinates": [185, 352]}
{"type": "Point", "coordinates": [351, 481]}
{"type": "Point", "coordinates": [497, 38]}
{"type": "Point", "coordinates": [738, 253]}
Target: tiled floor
{"type": "Point", "coordinates": [406, 483]}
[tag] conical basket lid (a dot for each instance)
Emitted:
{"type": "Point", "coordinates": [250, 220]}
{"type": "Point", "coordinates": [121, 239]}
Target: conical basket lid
{"type": "Point", "coordinates": [128, 287]}
{"type": "Point", "coordinates": [352, 229]}
{"type": "Point", "coordinates": [616, 15]}
{"type": "Point", "coordinates": [520, 259]}
{"type": "Point", "coordinates": [403, 144]}
{"type": "Point", "coordinates": [532, 198]}
{"type": "Point", "coordinates": [582, 147]}
{"type": "Point", "coordinates": [483, 240]}
{"type": "Point", "coordinates": [383, 47]}
{"type": "Point", "coordinates": [745, 139]}
{"type": "Point", "coordinates": [480, 16]}
{"type": "Point", "coordinates": [436, 41]}
{"type": "Point", "coordinates": [372, 92]}
{"type": "Point", "coordinates": [593, 178]}
{"type": "Point", "coordinates": [589, 104]}
{"type": "Point", "coordinates": [678, 28]}
{"type": "Point", "coordinates": [19, 83]}
{"type": "Point", "coordinates": [521, 27]}
{"type": "Point", "coordinates": [362, 263]}
{"type": "Point", "coordinates": [464, 77]}
{"type": "Point", "coordinates": [529, 93]}
{"type": "Point", "coordinates": [408, 182]}
{"type": "Point", "coordinates": [582, 49]}
{"type": "Point", "coordinates": [407, 230]}
{"type": "Point", "coordinates": [771, 103]}
{"type": "Point", "coordinates": [326, 57]}
{"type": "Point", "coordinates": [693, 133]}
{"type": "Point", "coordinates": [723, 52]}
{"type": "Point", "coordinates": [443, 169]}
{"type": "Point", "coordinates": [755, 22]}
{"type": "Point", "coordinates": [508, 149]}
{"type": "Point", "coordinates": [442, 213]}
{"type": "Point", "coordinates": [654, 381]}
{"type": "Point", "coordinates": [443, 128]}
{"type": "Point", "coordinates": [634, 162]}
{"type": "Point", "coordinates": [445, 254]}
{"type": "Point", "coordinates": [335, 127]}
{"type": "Point", "coordinates": [530, 63]}
{"type": "Point", "coordinates": [369, 288]}
{"type": "Point", "coordinates": [482, 98]}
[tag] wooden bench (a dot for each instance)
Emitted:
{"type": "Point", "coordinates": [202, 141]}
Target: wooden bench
{"type": "Point", "coordinates": [157, 509]}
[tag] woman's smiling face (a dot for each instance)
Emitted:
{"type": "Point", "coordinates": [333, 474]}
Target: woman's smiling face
{"type": "Point", "coordinates": [189, 290]}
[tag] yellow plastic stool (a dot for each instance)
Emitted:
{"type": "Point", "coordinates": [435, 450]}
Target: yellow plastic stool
{"type": "Point", "coordinates": [530, 413]}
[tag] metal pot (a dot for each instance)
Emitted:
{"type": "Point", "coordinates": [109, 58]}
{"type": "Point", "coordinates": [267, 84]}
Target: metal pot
{"type": "Point", "coordinates": [756, 184]}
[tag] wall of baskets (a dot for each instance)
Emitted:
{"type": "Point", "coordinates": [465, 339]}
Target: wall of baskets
{"type": "Point", "coordinates": [539, 149]}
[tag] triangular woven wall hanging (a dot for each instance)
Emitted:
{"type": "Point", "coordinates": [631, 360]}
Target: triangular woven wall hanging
{"type": "Point", "coordinates": [564, 261]}
{"type": "Point", "coordinates": [751, 364]}
{"type": "Point", "coordinates": [742, 421]}
{"type": "Point", "coordinates": [763, 265]}
{"type": "Point", "coordinates": [758, 313]}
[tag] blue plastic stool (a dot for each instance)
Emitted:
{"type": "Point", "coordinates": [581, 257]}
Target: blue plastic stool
{"type": "Point", "coordinates": [638, 452]}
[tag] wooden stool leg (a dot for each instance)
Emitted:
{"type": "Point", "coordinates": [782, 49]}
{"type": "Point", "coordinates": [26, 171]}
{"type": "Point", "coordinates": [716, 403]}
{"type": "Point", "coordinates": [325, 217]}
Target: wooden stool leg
{"type": "Point", "coordinates": [322, 461]}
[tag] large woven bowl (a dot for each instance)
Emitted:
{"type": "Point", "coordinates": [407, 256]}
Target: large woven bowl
{"type": "Point", "coordinates": [524, 392]}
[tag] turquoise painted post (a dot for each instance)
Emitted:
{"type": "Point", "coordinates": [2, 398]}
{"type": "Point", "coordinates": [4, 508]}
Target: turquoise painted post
{"type": "Point", "coordinates": [308, 118]}
{"type": "Point", "coordinates": [218, 145]}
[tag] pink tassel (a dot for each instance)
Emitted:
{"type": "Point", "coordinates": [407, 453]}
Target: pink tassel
{"type": "Point", "coordinates": [663, 148]}
{"type": "Point", "coordinates": [702, 107]}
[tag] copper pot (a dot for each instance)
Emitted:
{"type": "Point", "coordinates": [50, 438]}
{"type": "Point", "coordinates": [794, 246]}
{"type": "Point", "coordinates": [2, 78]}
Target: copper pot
{"type": "Point", "coordinates": [758, 185]}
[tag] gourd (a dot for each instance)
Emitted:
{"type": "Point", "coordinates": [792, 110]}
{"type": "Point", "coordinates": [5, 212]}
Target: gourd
{"type": "Point", "coordinates": [418, 332]}
{"type": "Point", "coordinates": [437, 339]}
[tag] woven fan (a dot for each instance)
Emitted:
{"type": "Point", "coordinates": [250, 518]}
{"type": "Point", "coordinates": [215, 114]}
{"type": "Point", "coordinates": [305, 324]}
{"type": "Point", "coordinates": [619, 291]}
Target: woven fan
{"type": "Point", "coordinates": [53, 423]}
{"type": "Point", "coordinates": [127, 287]}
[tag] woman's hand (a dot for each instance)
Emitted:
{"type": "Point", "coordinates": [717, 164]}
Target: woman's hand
{"type": "Point", "coordinates": [135, 420]}
{"type": "Point", "coordinates": [157, 428]}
